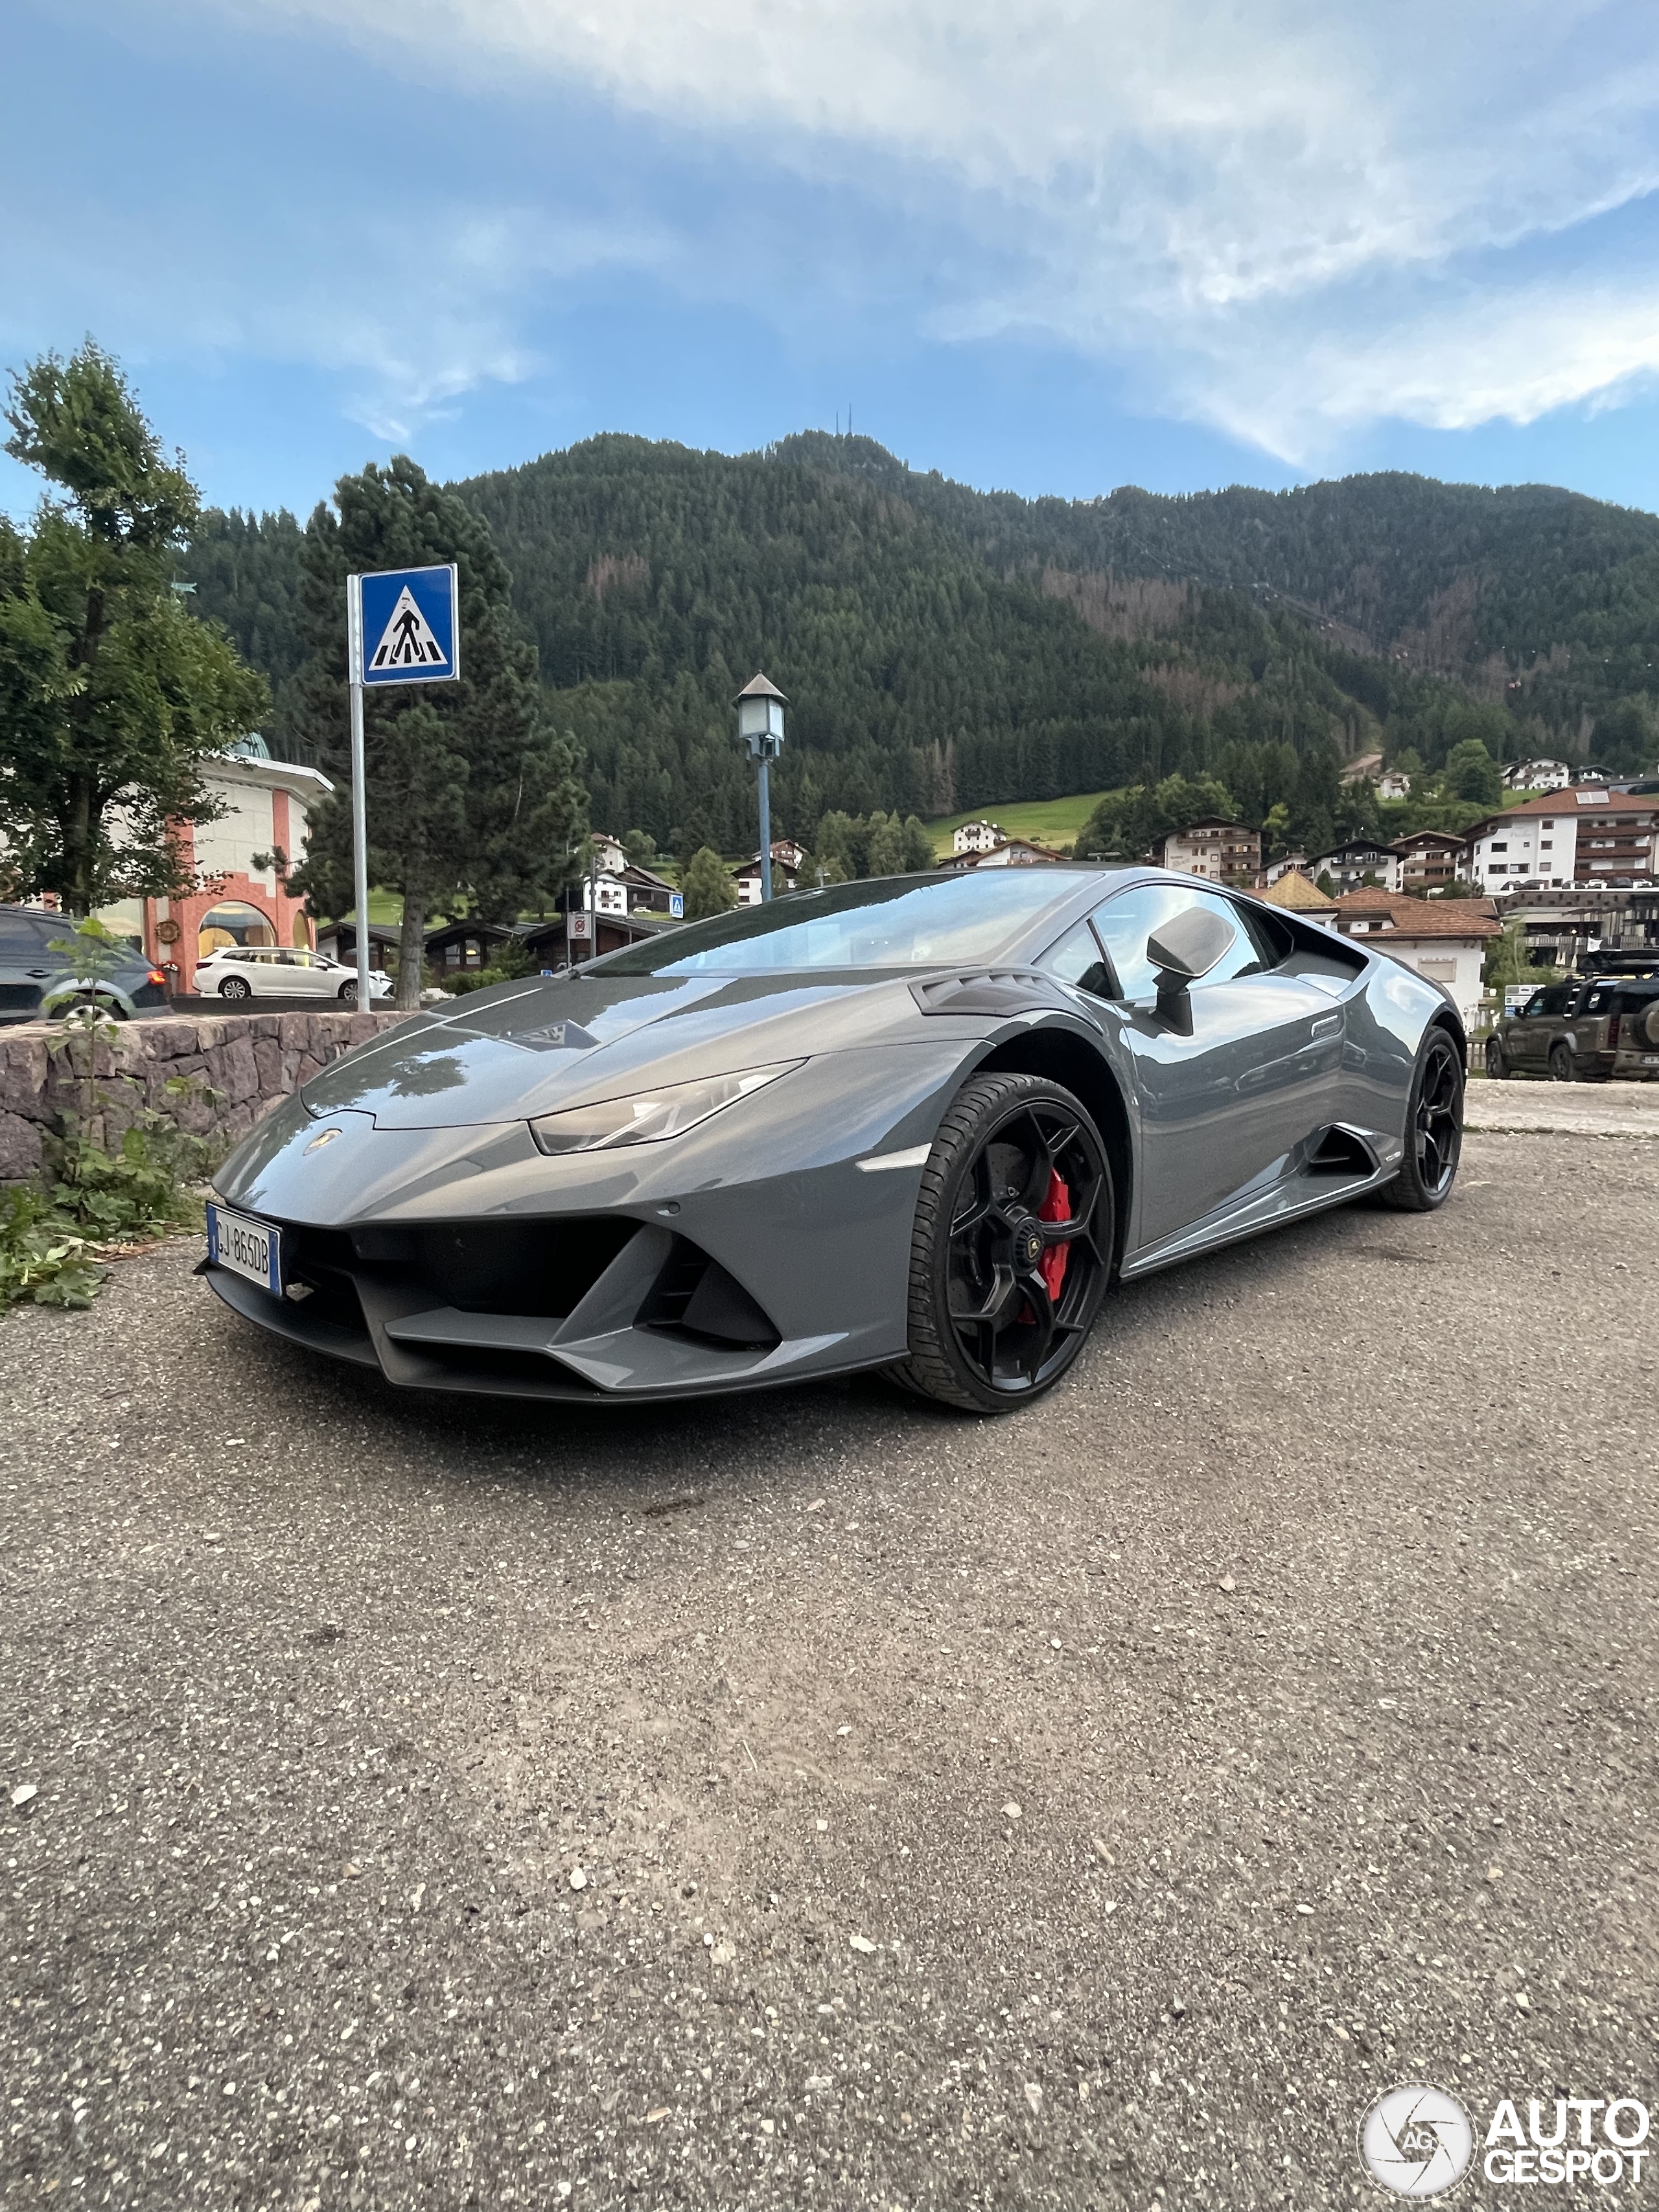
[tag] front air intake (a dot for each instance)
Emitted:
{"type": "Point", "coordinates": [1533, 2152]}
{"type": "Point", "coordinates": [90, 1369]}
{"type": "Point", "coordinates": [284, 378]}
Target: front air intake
{"type": "Point", "coordinates": [694, 1296]}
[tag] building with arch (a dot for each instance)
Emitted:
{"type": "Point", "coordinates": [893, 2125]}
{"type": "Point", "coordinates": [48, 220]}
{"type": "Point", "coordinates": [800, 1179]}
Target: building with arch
{"type": "Point", "coordinates": [268, 808]}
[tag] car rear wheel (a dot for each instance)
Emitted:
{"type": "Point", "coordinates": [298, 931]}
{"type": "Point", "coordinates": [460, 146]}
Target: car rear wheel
{"type": "Point", "coordinates": [1561, 1064]}
{"type": "Point", "coordinates": [86, 1007]}
{"type": "Point", "coordinates": [236, 987]}
{"type": "Point", "coordinates": [1434, 1130]}
{"type": "Point", "coordinates": [1013, 1245]}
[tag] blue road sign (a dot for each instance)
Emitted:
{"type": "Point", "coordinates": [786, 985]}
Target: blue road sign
{"type": "Point", "coordinates": [676, 905]}
{"type": "Point", "coordinates": [408, 630]}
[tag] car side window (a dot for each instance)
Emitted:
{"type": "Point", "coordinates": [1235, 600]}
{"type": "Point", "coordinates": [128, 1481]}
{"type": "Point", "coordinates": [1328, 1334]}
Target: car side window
{"type": "Point", "coordinates": [1557, 999]}
{"type": "Point", "coordinates": [19, 942]}
{"type": "Point", "coordinates": [1076, 960]}
{"type": "Point", "coordinates": [1535, 1005]}
{"type": "Point", "coordinates": [1126, 922]}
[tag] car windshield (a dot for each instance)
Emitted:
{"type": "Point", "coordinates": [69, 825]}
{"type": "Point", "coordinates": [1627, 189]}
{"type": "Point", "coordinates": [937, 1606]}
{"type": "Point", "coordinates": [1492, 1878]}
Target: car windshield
{"type": "Point", "coordinates": [897, 923]}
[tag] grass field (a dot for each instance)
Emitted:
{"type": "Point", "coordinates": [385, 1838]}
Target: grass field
{"type": "Point", "coordinates": [1045, 821]}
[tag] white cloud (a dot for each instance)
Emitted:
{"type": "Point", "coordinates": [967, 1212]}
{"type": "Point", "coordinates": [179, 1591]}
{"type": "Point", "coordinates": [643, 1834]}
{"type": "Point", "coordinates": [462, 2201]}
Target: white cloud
{"type": "Point", "coordinates": [409, 309]}
{"type": "Point", "coordinates": [1207, 191]}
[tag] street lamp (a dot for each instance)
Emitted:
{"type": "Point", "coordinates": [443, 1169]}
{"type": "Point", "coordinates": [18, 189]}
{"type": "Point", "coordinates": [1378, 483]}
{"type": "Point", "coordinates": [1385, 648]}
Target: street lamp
{"type": "Point", "coordinates": [760, 706]}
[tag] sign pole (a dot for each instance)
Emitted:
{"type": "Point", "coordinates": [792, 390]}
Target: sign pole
{"type": "Point", "coordinates": [359, 795]}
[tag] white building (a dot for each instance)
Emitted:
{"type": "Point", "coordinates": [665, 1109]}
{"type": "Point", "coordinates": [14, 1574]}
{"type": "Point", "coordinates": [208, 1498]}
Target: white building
{"type": "Point", "coordinates": [975, 837]}
{"type": "Point", "coordinates": [1537, 775]}
{"type": "Point", "coordinates": [787, 857]}
{"type": "Point", "coordinates": [1348, 866]}
{"type": "Point", "coordinates": [1581, 834]}
{"type": "Point", "coordinates": [1392, 785]}
{"type": "Point", "coordinates": [1444, 939]}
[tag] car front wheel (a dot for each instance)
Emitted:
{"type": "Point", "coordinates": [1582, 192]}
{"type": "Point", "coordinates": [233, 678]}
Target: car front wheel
{"type": "Point", "coordinates": [348, 992]}
{"type": "Point", "coordinates": [1434, 1130]}
{"type": "Point", "coordinates": [1498, 1068]}
{"type": "Point", "coordinates": [1011, 1247]}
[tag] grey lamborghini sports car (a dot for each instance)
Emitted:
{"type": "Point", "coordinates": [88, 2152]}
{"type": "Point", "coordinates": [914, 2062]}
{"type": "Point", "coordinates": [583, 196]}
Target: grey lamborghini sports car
{"type": "Point", "coordinates": [922, 1124]}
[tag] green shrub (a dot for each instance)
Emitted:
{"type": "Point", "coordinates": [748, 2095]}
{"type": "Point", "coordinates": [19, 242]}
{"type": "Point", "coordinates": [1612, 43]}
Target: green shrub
{"type": "Point", "coordinates": [44, 1258]}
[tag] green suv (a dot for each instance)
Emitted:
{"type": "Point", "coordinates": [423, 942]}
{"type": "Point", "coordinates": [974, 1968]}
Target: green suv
{"type": "Point", "coordinates": [1585, 1030]}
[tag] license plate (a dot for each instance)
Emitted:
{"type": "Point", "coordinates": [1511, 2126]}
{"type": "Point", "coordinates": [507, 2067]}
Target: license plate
{"type": "Point", "coordinates": [247, 1248]}
{"type": "Point", "coordinates": [1650, 1060]}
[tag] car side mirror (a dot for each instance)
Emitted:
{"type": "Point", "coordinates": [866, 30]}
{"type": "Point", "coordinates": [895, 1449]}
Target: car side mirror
{"type": "Point", "coordinates": [1187, 946]}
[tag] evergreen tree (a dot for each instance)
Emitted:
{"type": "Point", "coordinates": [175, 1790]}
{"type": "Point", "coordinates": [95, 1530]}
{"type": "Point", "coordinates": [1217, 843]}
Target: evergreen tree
{"type": "Point", "coordinates": [472, 799]}
{"type": "Point", "coordinates": [708, 885]}
{"type": "Point", "coordinates": [113, 699]}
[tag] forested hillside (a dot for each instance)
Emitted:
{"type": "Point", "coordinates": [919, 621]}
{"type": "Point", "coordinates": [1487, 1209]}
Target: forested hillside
{"type": "Point", "coordinates": [1538, 598]}
{"type": "Point", "coordinates": [945, 649]}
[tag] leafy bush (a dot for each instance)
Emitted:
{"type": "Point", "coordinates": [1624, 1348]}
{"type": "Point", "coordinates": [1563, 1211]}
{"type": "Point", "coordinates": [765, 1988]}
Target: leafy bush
{"type": "Point", "coordinates": [54, 1233]}
{"type": "Point", "coordinates": [44, 1258]}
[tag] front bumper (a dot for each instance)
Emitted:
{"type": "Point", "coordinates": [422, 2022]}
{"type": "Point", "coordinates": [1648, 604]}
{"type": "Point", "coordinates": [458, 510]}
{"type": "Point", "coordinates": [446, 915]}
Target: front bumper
{"type": "Point", "coordinates": [752, 1251]}
{"type": "Point", "coordinates": [642, 1312]}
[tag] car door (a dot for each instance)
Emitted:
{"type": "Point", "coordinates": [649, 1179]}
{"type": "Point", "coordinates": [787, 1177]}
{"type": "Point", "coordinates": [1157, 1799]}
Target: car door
{"type": "Point", "coordinates": [26, 966]}
{"type": "Point", "coordinates": [1538, 1025]}
{"type": "Point", "coordinates": [306, 979]}
{"type": "Point", "coordinates": [1234, 1095]}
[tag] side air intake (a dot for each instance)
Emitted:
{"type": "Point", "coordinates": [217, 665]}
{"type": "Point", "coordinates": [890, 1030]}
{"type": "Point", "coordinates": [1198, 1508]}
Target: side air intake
{"type": "Point", "coordinates": [1342, 1152]}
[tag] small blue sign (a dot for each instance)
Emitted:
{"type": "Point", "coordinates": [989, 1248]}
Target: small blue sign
{"type": "Point", "coordinates": [676, 905]}
{"type": "Point", "coordinates": [406, 626]}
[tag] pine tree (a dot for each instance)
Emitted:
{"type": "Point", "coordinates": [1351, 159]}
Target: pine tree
{"type": "Point", "coordinates": [708, 885]}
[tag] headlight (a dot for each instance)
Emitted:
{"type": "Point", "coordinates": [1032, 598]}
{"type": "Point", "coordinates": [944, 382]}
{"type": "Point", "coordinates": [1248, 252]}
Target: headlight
{"type": "Point", "coordinates": [649, 1116]}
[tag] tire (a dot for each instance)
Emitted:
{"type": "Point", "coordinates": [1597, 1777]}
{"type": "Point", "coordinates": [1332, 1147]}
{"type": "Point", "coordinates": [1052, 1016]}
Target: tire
{"type": "Point", "coordinates": [1498, 1068]}
{"type": "Point", "coordinates": [988, 1332]}
{"type": "Point", "coordinates": [1562, 1069]}
{"type": "Point", "coordinates": [236, 987]}
{"type": "Point", "coordinates": [348, 993]}
{"type": "Point", "coordinates": [1434, 1130]}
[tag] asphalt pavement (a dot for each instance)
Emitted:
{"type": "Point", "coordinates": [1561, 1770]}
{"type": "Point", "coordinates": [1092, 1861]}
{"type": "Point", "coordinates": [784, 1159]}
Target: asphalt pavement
{"type": "Point", "coordinates": [813, 1800]}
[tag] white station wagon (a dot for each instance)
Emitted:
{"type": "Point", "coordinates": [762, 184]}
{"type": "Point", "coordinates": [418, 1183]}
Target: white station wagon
{"type": "Point", "coordinates": [272, 971]}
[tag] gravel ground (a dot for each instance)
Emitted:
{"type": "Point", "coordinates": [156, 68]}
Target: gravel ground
{"type": "Point", "coordinates": [810, 1800]}
{"type": "Point", "coordinates": [1591, 1110]}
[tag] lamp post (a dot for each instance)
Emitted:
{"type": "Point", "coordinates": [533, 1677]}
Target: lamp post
{"type": "Point", "coordinates": [760, 706]}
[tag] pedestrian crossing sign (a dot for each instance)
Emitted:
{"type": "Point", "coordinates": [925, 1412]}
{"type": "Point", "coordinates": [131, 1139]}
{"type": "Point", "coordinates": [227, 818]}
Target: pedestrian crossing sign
{"type": "Point", "coordinates": [405, 627]}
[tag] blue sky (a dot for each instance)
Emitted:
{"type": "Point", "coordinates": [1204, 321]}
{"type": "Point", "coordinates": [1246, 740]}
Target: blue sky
{"type": "Point", "coordinates": [1032, 244]}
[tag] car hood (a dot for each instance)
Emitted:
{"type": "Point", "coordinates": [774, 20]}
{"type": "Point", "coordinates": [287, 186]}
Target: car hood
{"type": "Point", "coordinates": [523, 1049]}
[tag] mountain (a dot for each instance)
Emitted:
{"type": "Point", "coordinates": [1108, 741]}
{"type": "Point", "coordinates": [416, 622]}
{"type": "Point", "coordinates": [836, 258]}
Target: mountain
{"type": "Point", "coordinates": [945, 648]}
{"type": "Point", "coordinates": [1537, 598]}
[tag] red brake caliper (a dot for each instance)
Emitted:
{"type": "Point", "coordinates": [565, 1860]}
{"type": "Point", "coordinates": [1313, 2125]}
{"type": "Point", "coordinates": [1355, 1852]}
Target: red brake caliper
{"type": "Point", "coordinates": [1056, 1207]}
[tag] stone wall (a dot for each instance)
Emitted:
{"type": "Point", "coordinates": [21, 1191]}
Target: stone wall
{"type": "Point", "coordinates": [254, 1059]}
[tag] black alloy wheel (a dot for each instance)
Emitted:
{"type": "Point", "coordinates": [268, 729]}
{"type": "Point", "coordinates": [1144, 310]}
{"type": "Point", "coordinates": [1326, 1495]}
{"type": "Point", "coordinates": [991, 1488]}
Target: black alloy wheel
{"type": "Point", "coordinates": [1434, 1130]}
{"type": "Point", "coordinates": [236, 987]}
{"type": "Point", "coordinates": [1015, 1224]}
{"type": "Point", "coordinates": [1497, 1068]}
{"type": "Point", "coordinates": [1561, 1064]}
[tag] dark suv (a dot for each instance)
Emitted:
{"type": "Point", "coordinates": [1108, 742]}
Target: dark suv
{"type": "Point", "coordinates": [1581, 1031]}
{"type": "Point", "coordinates": [37, 983]}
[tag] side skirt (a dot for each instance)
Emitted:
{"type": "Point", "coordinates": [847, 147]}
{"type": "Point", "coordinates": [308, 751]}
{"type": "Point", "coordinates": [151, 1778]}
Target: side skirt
{"type": "Point", "coordinates": [1292, 1200]}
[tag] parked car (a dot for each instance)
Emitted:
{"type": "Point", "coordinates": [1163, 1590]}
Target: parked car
{"type": "Point", "coordinates": [37, 983]}
{"type": "Point", "coordinates": [273, 971]}
{"type": "Point", "coordinates": [1585, 1030]}
{"type": "Point", "coordinates": [925, 1124]}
